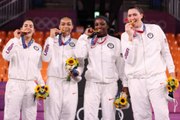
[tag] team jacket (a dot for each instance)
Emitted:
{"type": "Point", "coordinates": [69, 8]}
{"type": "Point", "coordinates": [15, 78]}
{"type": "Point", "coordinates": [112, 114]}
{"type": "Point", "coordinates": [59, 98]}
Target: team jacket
{"type": "Point", "coordinates": [148, 54]}
{"type": "Point", "coordinates": [57, 55]}
{"type": "Point", "coordinates": [105, 64]}
{"type": "Point", "coordinates": [25, 63]}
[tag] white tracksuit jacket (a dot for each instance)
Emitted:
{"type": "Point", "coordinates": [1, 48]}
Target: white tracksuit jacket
{"type": "Point", "coordinates": [105, 67]}
{"type": "Point", "coordinates": [24, 69]}
{"type": "Point", "coordinates": [62, 102]}
{"type": "Point", "coordinates": [146, 59]}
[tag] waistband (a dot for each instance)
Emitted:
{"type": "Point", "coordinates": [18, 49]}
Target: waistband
{"type": "Point", "coordinates": [145, 76]}
{"type": "Point", "coordinates": [21, 79]}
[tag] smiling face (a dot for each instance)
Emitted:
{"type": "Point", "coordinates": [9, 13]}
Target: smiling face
{"type": "Point", "coordinates": [28, 27]}
{"type": "Point", "coordinates": [66, 26]}
{"type": "Point", "coordinates": [101, 25]}
{"type": "Point", "coordinates": [136, 16]}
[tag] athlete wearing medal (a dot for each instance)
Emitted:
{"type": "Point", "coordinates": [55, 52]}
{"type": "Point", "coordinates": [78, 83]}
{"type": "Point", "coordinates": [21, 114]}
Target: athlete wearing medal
{"type": "Point", "coordinates": [105, 67]}
{"type": "Point", "coordinates": [146, 54]}
{"type": "Point", "coordinates": [63, 97]}
{"type": "Point", "coordinates": [24, 56]}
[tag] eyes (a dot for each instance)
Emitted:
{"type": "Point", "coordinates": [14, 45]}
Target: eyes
{"type": "Point", "coordinates": [30, 25]}
{"type": "Point", "coordinates": [63, 24]}
{"type": "Point", "coordinates": [134, 15]}
{"type": "Point", "coordinates": [100, 24]}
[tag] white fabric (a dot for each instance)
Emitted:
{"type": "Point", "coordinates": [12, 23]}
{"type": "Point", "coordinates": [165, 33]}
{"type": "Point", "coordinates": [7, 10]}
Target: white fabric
{"type": "Point", "coordinates": [24, 69]}
{"type": "Point", "coordinates": [146, 59]}
{"type": "Point", "coordinates": [24, 64]}
{"type": "Point", "coordinates": [146, 56]}
{"type": "Point", "coordinates": [62, 102]}
{"type": "Point", "coordinates": [147, 92]}
{"type": "Point", "coordinates": [105, 64]}
{"type": "Point", "coordinates": [96, 93]}
{"type": "Point", "coordinates": [105, 67]}
{"type": "Point", "coordinates": [63, 97]}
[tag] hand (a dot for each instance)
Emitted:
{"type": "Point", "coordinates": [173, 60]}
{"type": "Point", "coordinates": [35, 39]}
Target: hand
{"type": "Point", "coordinates": [130, 31]}
{"type": "Point", "coordinates": [74, 73]}
{"type": "Point", "coordinates": [89, 31]}
{"type": "Point", "coordinates": [173, 75]}
{"type": "Point", "coordinates": [125, 89]}
{"type": "Point", "coordinates": [54, 31]}
{"type": "Point", "coordinates": [17, 33]}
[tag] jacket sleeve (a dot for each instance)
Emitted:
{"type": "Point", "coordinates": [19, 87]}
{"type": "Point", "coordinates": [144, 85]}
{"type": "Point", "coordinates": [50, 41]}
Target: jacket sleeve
{"type": "Point", "coordinates": [128, 49]}
{"type": "Point", "coordinates": [120, 63]}
{"type": "Point", "coordinates": [81, 50]}
{"type": "Point", "coordinates": [39, 66]}
{"type": "Point", "coordinates": [10, 49]}
{"type": "Point", "coordinates": [48, 49]}
{"type": "Point", "coordinates": [81, 54]}
{"type": "Point", "coordinates": [166, 52]}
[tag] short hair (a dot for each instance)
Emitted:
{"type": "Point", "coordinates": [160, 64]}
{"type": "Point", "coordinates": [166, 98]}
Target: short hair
{"type": "Point", "coordinates": [66, 17]}
{"type": "Point", "coordinates": [28, 19]}
{"type": "Point", "coordinates": [137, 8]}
{"type": "Point", "coordinates": [104, 18]}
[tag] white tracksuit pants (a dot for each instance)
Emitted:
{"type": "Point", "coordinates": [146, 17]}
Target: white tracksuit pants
{"type": "Point", "coordinates": [96, 93]}
{"type": "Point", "coordinates": [62, 101]}
{"type": "Point", "coordinates": [19, 95]}
{"type": "Point", "coordinates": [147, 92]}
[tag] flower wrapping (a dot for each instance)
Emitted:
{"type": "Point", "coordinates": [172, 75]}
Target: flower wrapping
{"type": "Point", "coordinates": [71, 67]}
{"type": "Point", "coordinates": [41, 92]}
{"type": "Point", "coordinates": [121, 101]}
{"type": "Point", "coordinates": [172, 85]}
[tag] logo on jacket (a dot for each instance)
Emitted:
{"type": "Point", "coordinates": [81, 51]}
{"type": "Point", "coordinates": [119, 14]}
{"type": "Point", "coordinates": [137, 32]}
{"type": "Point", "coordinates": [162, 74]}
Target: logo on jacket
{"type": "Point", "coordinates": [71, 44]}
{"type": "Point", "coordinates": [36, 48]}
{"type": "Point", "coordinates": [46, 49]}
{"type": "Point", "coordinates": [150, 35]}
{"type": "Point", "coordinates": [9, 48]}
{"type": "Point", "coordinates": [110, 45]}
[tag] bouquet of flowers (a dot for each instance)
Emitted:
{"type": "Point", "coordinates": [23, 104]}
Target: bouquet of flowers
{"type": "Point", "coordinates": [71, 67]}
{"type": "Point", "coordinates": [41, 92]}
{"type": "Point", "coordinates": [121, 101]}
{"type": "Point", "coordinates": [172, 85]}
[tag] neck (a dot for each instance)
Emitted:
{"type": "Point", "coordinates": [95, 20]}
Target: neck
{"type": "Point", "coordinates": [27, 39]}
{"type": "Point", "coordinates": [99, 36]}
{"type": "Point", "coordinates": [65, 35]}
{"type": "Point", "coordinates": [138, 25]}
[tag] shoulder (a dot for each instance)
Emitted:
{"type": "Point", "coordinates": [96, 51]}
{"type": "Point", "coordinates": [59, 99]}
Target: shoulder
{"type": "Point", "coordinates": [113, 38]}
{"type": "Point", "coordinates": [152, 26]}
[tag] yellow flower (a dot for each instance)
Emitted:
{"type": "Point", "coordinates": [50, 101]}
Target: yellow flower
{"type": "Point", "coordinates": [123, 101]}
{"type": "Point", "coordinates": [169, 88]}
{"type": "Point", "coordinates": [176, 83]}
{"type": "Point", "coordinates": [172, 84]}
{"type": "Point", "coordinates": [71, 61]}
{"type": "Point", "coordinates": [37, 88]}
{"type": "Point", "coordinates": [46, 88]}
{"type": "Point", "coordinates": [41, 92]}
